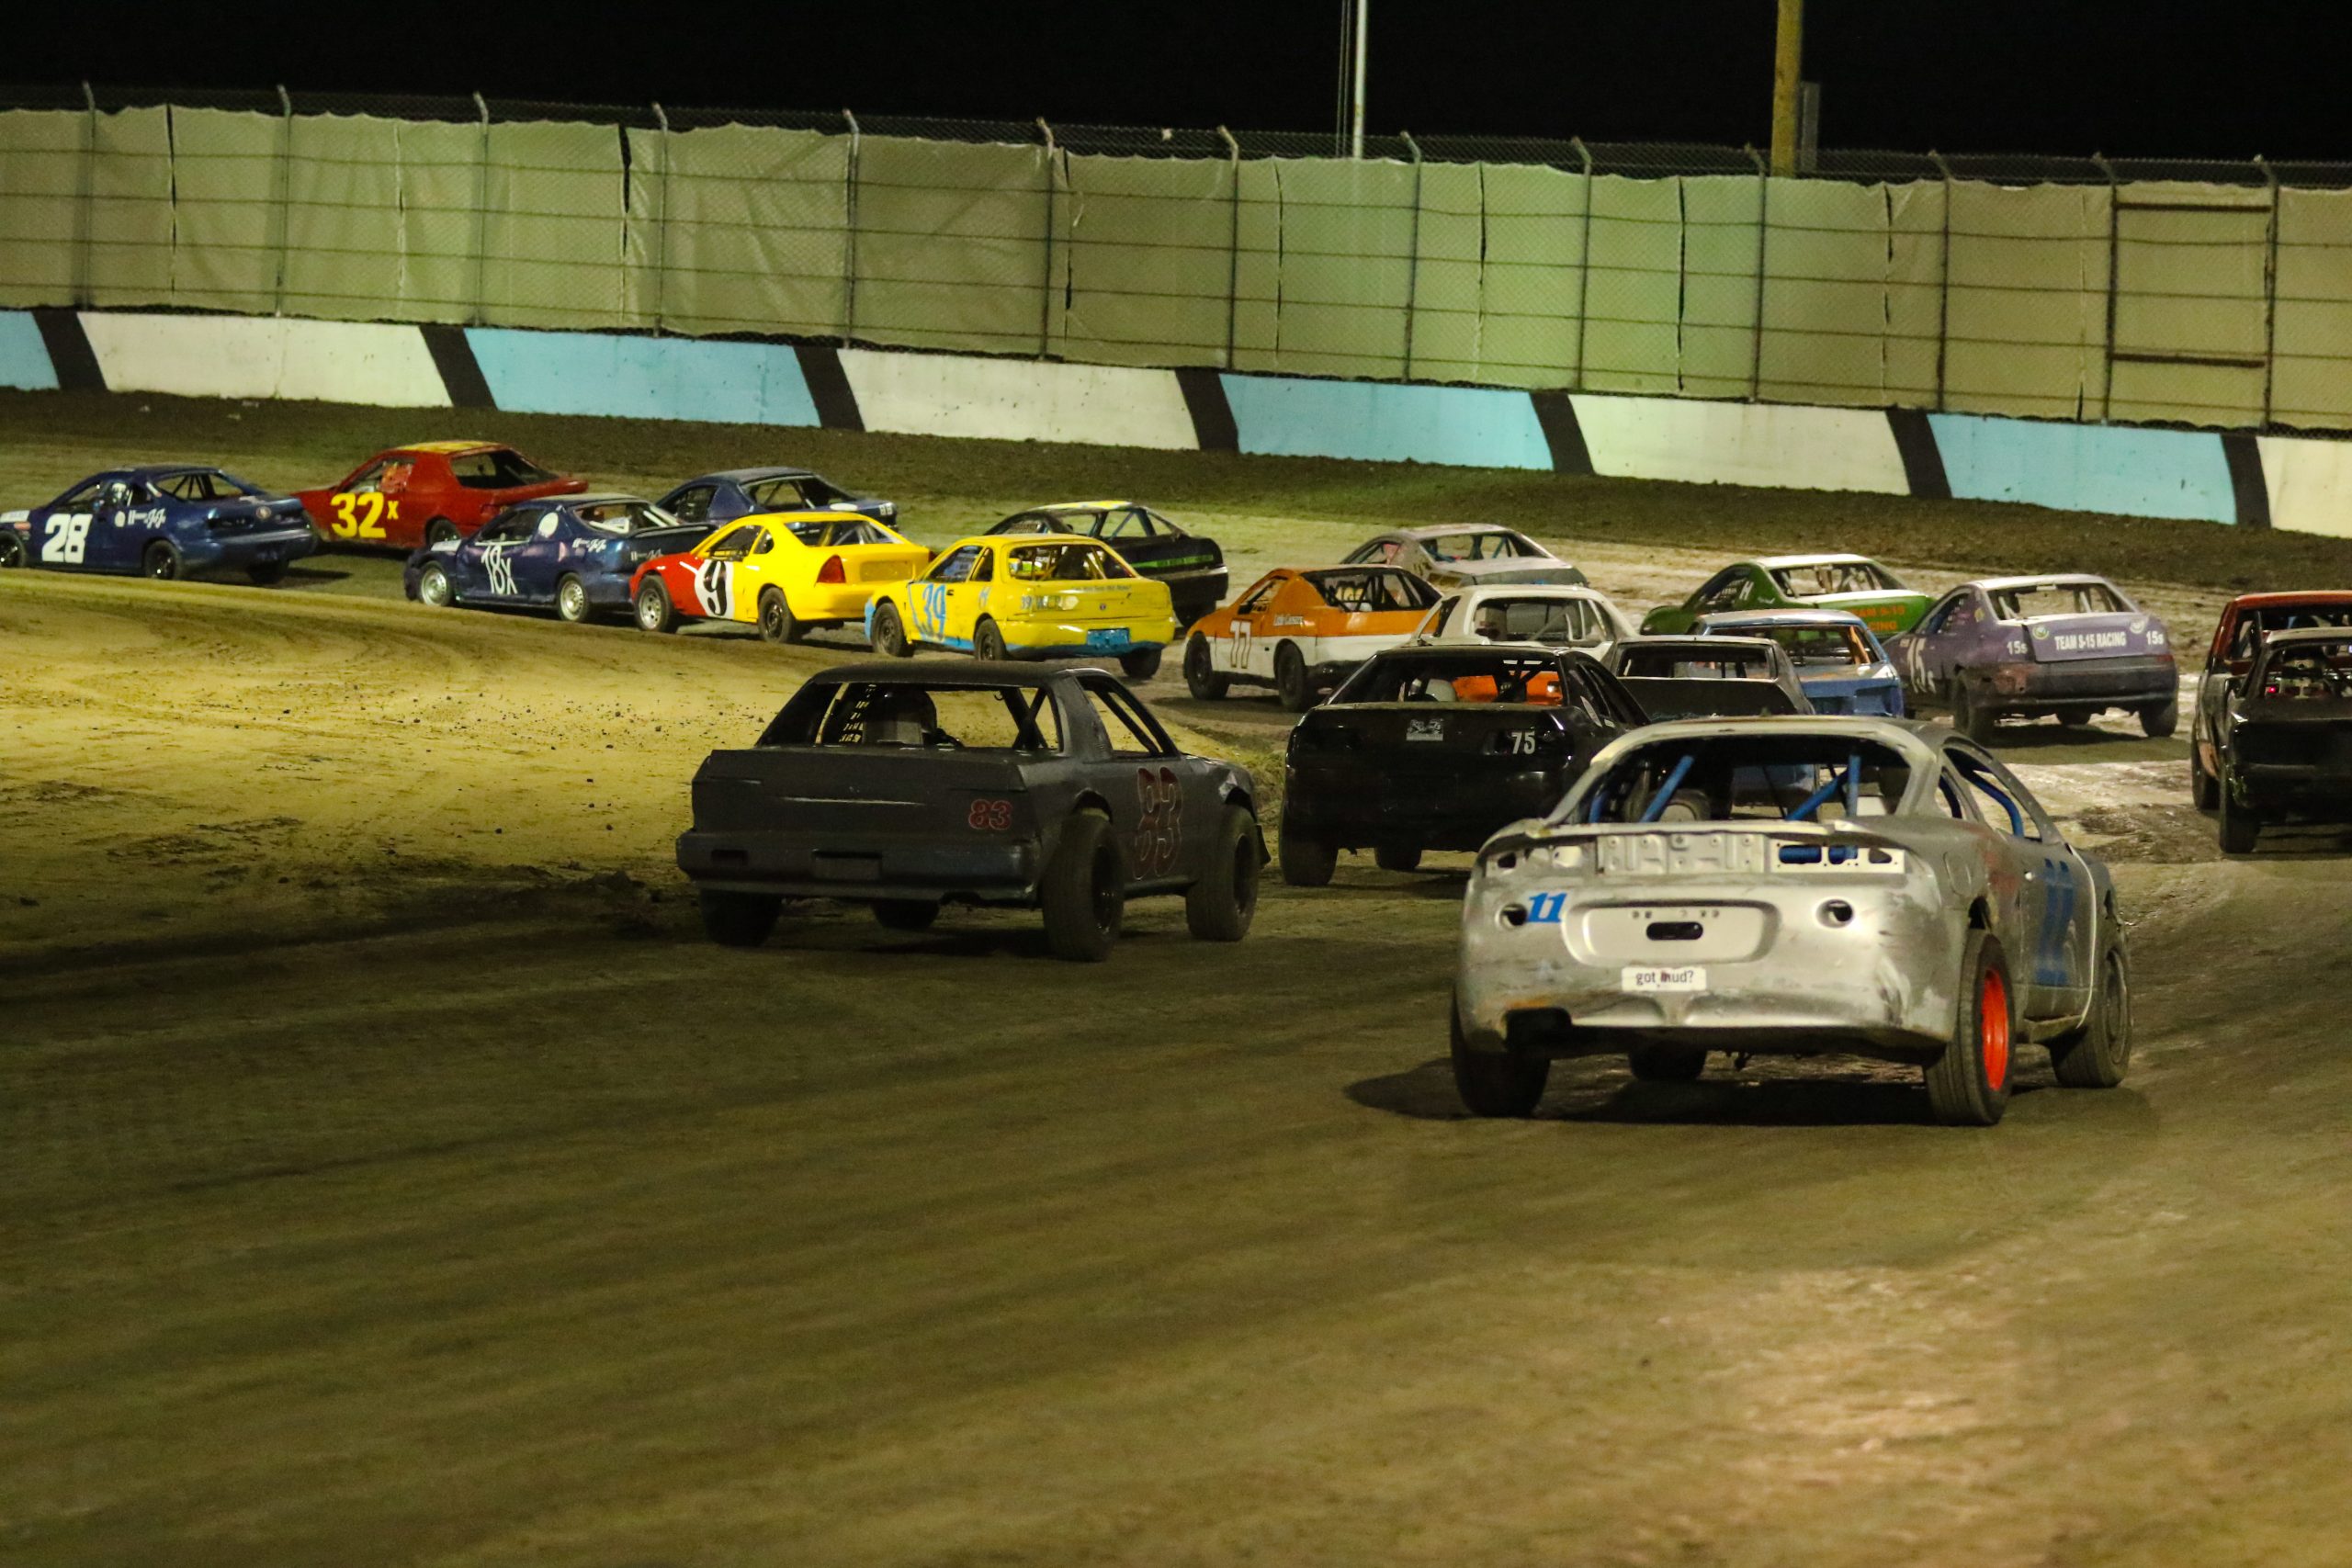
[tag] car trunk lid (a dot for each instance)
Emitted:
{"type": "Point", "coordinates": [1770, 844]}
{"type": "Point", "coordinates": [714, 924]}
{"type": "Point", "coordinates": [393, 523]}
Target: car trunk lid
{"type": "Point", "coordinates": [2058, 640]}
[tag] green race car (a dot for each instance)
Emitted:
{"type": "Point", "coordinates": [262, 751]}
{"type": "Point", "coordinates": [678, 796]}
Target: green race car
{"type": "Point", "coordinates": [1853, 584]}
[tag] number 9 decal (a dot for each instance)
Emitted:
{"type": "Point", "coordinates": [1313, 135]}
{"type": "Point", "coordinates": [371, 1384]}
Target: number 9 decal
{"type": "Point", "coordinates": [359, 514]}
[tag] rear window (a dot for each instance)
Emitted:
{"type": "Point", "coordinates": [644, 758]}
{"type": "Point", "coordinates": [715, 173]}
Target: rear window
{"type": "Point", "coordinates": [1818, 645]}
{"type": "Point", "coordinates": [1813, 580]}
{"type": "Point", "coordinates": [848, 531]}
{"type": "Point", "coordinates": [2313, 670]}
{"type": "Point", "coordinates": [503, 468]}
{"type": "Point", "coordinates": [624, 516]}
{"type": "Point", "coordinates": [1079, 560]}
{"type": "Point", "coordinates": [1432, 678]}
{"type": "Point", "coordinates": [1560, 623]}
{"type": "Point", "coordinates": [1372, 588]}
{"type": "Point", "coordinates": [1782, 778]}
{"type": "Point", "coordinates": [2255, 625]}
{"type": "Point", "coordinates": [2035, 599]}
{"type": "Point", "coordinates": [1491, 544]}
{"type": "Point", "coordinates": [1683, 662]}
{"type": "Point", "coordinates": [199, 485]}
{"type": "Point", "coordinates": [912, 715]}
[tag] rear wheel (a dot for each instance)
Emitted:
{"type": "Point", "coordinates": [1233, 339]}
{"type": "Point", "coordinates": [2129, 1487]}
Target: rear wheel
{"type": "Point", "coordinates": [265, 572]}
{"type": "Point", "coordinates": [433, 589]}
{"type": "Point", "coordinates": [1289, 678]}
{"type": "Point", "coordinates": [2159, 722]}
{"type": "Point", "coordinates": [159, 562]}
{"type": "Point", "coordinates": [1307, 860]}
{"type": "Point", "coordinates": [739, 919]}
{"type": "Point", "coordinates": [1495, 1083]}
{"type": "Point", "coordinates": [572, 600]}
{"type": "Point", "coordinates": [907, 914]}
{"type": "Point", "coordinates": [1085, 891]}
{"type": "Point", "coordinates": [2202, 787]}
{"type": "Point", "coordinates": [1397, 855]}
{"type": "Point", "coordinates": [988, 641]}
{"type": "Point", "coordinates": [1968, 1086]}
{"type": "Point", "coordinates": [654, 611]}
{"type": "Point", "coordinates": [2095, 1055]}
{"type": "Point", "coordinates": [887, 633]}
{"type": "Point", "coordinates": [777, 623]}
{"type": "Point", "coordinates": [1140, 665]}
{"type": "Point", "coordinates": [12, 550]}
{"type": "Point", "coordinates": [1219, 905]}
{"type": "Point", "coordinates": [1666, 1063]}
{"type": "Point", "coordinates": [2241, 825]}
{"type": "Point", "coordinates": [1200, 678]}
{"type": "Point", "coordinates": [439, 531]}
{"type": "Point", "coordinates": [1969, 717]}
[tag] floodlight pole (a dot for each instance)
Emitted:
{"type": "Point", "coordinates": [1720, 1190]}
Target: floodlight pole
{"type": "Point", "coordinates": [1355, 109]}
{"type": "Point", "coordinates": [1788, 76]}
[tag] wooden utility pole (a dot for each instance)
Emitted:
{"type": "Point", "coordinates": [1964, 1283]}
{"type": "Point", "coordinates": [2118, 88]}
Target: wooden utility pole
{"type": "Point", "coordinates": [1788, 73]}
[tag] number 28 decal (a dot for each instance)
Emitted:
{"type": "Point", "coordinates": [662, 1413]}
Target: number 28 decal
{"type": "Point", "coordinates": [68, 539]}
{"type": "Point", "coordinates": [359, 515]}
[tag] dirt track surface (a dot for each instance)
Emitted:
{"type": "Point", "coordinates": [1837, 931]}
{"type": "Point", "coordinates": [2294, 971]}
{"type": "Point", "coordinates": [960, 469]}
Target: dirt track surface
{"type": "Point", "coordinates": [395, 1176]}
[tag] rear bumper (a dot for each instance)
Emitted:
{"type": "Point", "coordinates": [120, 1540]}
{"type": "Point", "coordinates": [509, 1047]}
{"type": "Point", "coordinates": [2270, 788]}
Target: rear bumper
{"type": "Point", "coordinates": [1361, 809]}
{"type": "Point", "coordinates": [2081, 685]}
{"type": "Point", "coordinates": [1000, 870]}
{"type": "Point", "coordinates": [1064, 639]}
{"type": "Point", "coordinates": [233, 552]}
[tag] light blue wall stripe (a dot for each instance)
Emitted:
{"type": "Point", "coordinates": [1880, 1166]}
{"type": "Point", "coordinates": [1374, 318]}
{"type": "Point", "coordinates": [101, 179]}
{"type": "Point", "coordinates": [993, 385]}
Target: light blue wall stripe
{"type": "Point", "coordinates": [2087, 468]}
{"type": "Point", "coordinates": [643, 377]}
{"type": "Point", "coordinates": [1467, 426]}
{"type": "Point", "coordinates": [24, 358]}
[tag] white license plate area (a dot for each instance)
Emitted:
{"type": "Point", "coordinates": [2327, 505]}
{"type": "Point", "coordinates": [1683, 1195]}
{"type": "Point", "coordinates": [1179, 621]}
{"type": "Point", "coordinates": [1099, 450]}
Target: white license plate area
{"type": "Point", "coordinates": [1647, 979]}
{"type": "Point", "coordinates": [1673, 935]}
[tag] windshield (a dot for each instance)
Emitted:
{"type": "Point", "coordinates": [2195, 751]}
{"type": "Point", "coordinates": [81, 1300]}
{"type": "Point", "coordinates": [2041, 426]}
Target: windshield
{"type": "Point", "coordinates": [1816, 578]}
{"type": "Point", "coordinates": [503, 468]}
{"type": "Point", "coordinates": [1779, 778]}
{"type": "Point", "coordinates": [913, 715]}
{"type": "Point", "coordinates": [1484, 543]}
{"type": "Point", "coordinates": [2311, 670]}
{"type": "Point", "coordinates": [1681, 661]}
{"type": "Point", "coordinates": [2032, 601]}
{"type": "Point", "coordinates": [848, 531]}
{"type": "Point", "coordinates": [624, 516]}
{"type": "Point", "coordinates": [1079, 560]}
{"type": "Point", "coordinates": [1372, 588]}
{"type": "Point", "coordinates": [1810, 646]}
{"type": "Point", "coordinates": [1556, 622]}
{"type": "Point", "coordinates": [1451, 678]}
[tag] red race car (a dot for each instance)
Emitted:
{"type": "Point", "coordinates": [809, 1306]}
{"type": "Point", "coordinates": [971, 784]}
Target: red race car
{"type": "Point", "coordinates": [428, 492]}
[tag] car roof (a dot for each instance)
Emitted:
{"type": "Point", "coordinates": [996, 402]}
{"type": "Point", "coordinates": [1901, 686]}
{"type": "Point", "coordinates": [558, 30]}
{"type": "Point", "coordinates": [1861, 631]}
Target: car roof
{"type": "Point", "coordinates": [1316, 574]}
{"type": "Point", "coordinates": [1476, 592]}
{"type": "Point", "coordinates": [2052, 579]}
{"type": "Point", "coordinates": [1464, 649]}
{"type": "Point", "coordinates": [1833, 557]}
{"type": "Point", "coordinates": [801, 514]}
{"type": "Point", "coordinates": [2292, 596]}
{"type": "Point", "coordinates": [1904, 734]}
{"type": "Point", "coordinates": [1438, 530]}
{"type": "Point", "coordinates": [1784, 618]}
{"type": "Point", "coordinates": [1714, 647]}
{"type": "Point", "coordinates": [748, 475]}
{"type": "Point", "coordinates": [147, 473]}
{"type": "Point", "coordinates": [2307, 634]}
{"type": "Point", "coordinates": [448, 449]}
{"type": "Point", "coordinates": [1073, 506]}
{"type": "Point", "coordinates": [593, 498]}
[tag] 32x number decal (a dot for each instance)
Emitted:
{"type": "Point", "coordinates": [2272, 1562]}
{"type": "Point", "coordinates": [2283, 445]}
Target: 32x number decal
{"type": "Point", "coordinates": [359, 515]}
{"type": "Point", "coordinates": [1160, 835]}
{"type": "Point", "coordinates": [67, 540]}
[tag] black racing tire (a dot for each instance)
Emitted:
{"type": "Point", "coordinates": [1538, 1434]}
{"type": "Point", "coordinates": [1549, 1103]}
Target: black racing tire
{"type": "Point", "coordinates": [1085, 891]}
{"type": "Point", "coordinates": [1495, 1083]}
{"type": "Point", "coordinates": [571, 603]}
{"type": "Point", "coordinates": [1397, 855]}
{"type": "Point", "coordinates": [2096, 1055]}
{"type": "Point", "coordinates": [2202, 787]}
{"type": "Point", "coordinates": [1223, 899]}
{"type": "Point", "coordinates": [652, 608]}
{"type": "Point", "coordinates": [1142, 665]}
{"type": "Point", "coordinates": [889, 634]}
{"type": "Point", "coordinates": [13, 554]}
{"type": "Point", "coordinates": [1666, 1063]}
{"type": "Point", "coordinates": [1291, 685]}
{"type": "Point", "coordinates": [739, 919]}
{"type": "Point", "coordinates": [987, 640]}
{"type": "Point", "coordinates": [160, 560]}
{"type": "Point", "coordinates": [262, 573]}
{"type": "Point", "coordinates": [905, 914]}
{"type": "Point", "coordinates": [434, 589]}
{"type": "Point", "coordinates": [1307, 860]}
{"type": "Point", "coordinates": [2241, 825]}
{"type": "Point", "coordinates": [1200, 678]}
{"type": "Point", "coordinates": [1968, 1086]}
{"type": "Point", "coordinates": [777, 623]}
{"type": "Point", "coordinates": [2160, 722]}
{"type": "Point", "coordinates": [439, 531]}
{"type": "Point", "coordinates": [1971, 720]}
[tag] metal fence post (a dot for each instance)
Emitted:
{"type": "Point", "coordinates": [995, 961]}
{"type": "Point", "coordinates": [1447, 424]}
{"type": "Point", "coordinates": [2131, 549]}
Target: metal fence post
{"type": "Point", "coordinates": [1413, 261]}
{"type": "Point", "coordinates": [481, 210]}
{"type": "Point", "coordinates": [1233, 248]}
{"type": "Point", "coordinates": [1763, 237]}
{"type": "Point", "coordinates": [85, 220]}
{"type": "Point", "coordinates": [2270, 292]}
{"type": "Point", "coordinates": [1046, 292]}
{"type": "Point", "coordinates": [1584, 256]}
{"type": "Point", "coordinates": [1943, 282]}
{"type": "Point", "coordinates": [2114, 254]}
{"type": "Point", "coordinates": [662, 228]}
{"type": "Point", "coordinates": [285, 203]}
{"type": "Point", "coordinates": [849, 247]}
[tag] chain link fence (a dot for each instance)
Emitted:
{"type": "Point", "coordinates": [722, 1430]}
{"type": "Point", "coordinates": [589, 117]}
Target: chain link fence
{"type": "Point", "coordinates": [2207, 293]}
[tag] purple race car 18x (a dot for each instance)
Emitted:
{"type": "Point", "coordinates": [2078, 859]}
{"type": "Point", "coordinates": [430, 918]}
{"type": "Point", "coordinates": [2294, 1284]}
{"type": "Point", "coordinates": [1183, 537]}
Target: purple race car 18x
{"type": "Point", "coordinates": [2073, 646]}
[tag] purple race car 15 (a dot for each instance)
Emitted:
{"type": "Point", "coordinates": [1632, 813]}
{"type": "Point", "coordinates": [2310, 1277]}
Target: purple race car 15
{"type": "Point", "coordinates": [2073, 646]}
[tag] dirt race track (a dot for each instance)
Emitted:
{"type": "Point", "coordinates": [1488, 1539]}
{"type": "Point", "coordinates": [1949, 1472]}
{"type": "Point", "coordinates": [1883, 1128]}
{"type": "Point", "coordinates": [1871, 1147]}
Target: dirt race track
{"type": "Point", "coordinates": [394, 1176]}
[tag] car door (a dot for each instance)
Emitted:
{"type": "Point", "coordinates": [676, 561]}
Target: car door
{"type": "Point", "coordinates": [487, 560]}
{"type": "Point", "coordinates": [768, 562]}
{"type": "Point", "coordinates": [716, 590]}
{"type": "Point", "coordinates": [2048, 886]}
{"type": "Point", "coordinates": [538, 560]}
{"type": "Point", "coordinates": [130, 516]}
{"type": "Point", "coordinates": [941, 602]}
{"type": "Point", "coordinates": [1239, 650]}
{"type": "Point", "coordinates": [1161, 802]}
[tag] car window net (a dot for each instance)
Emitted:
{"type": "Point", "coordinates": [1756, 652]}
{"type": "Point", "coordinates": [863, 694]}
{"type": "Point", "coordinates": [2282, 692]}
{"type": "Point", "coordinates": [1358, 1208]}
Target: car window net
{"type": "Point", "coordinates": [1782, 778]}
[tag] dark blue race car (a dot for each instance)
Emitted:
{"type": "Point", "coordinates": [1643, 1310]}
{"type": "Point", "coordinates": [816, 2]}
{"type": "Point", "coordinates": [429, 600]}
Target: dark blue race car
{"type": "Point", "coordinates": [574, 554]}
{"type": "Point", "coordinates": [739, 492]}
{"type": "Point", "coordinates": [164, 520]}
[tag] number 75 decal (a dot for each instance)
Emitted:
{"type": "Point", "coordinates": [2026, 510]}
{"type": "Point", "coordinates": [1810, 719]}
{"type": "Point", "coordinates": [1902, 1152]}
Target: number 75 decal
{"type": "Point", "coordinates": [359, 515]}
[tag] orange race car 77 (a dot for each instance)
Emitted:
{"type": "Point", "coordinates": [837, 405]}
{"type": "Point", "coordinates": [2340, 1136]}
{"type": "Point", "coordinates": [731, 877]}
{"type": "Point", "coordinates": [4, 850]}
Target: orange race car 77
{"type": "Point", "coordinates": [1302, 632]}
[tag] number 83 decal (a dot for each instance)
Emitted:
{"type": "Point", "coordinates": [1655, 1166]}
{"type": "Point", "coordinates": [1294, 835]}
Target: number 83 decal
{"type": "Point", "coordinates": [1159, 834]}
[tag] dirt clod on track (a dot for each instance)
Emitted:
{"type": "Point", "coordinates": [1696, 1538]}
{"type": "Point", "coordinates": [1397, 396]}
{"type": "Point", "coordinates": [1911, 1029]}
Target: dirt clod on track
{"type": "Point", "coordinates": [394, 1176]}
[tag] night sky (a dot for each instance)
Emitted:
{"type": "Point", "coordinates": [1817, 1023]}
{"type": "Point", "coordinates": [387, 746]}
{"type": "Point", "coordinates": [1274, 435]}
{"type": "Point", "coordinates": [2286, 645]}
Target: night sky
{"type": "Point", "coordinates": [2073, 76]}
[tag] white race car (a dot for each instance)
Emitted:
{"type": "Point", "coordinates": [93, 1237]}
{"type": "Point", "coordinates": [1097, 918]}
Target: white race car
{"type": "Point", "coordinates": [1553, 615]}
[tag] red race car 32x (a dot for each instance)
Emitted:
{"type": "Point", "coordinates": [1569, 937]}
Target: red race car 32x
{"type": "Point", "coordinates": [433, 490]}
